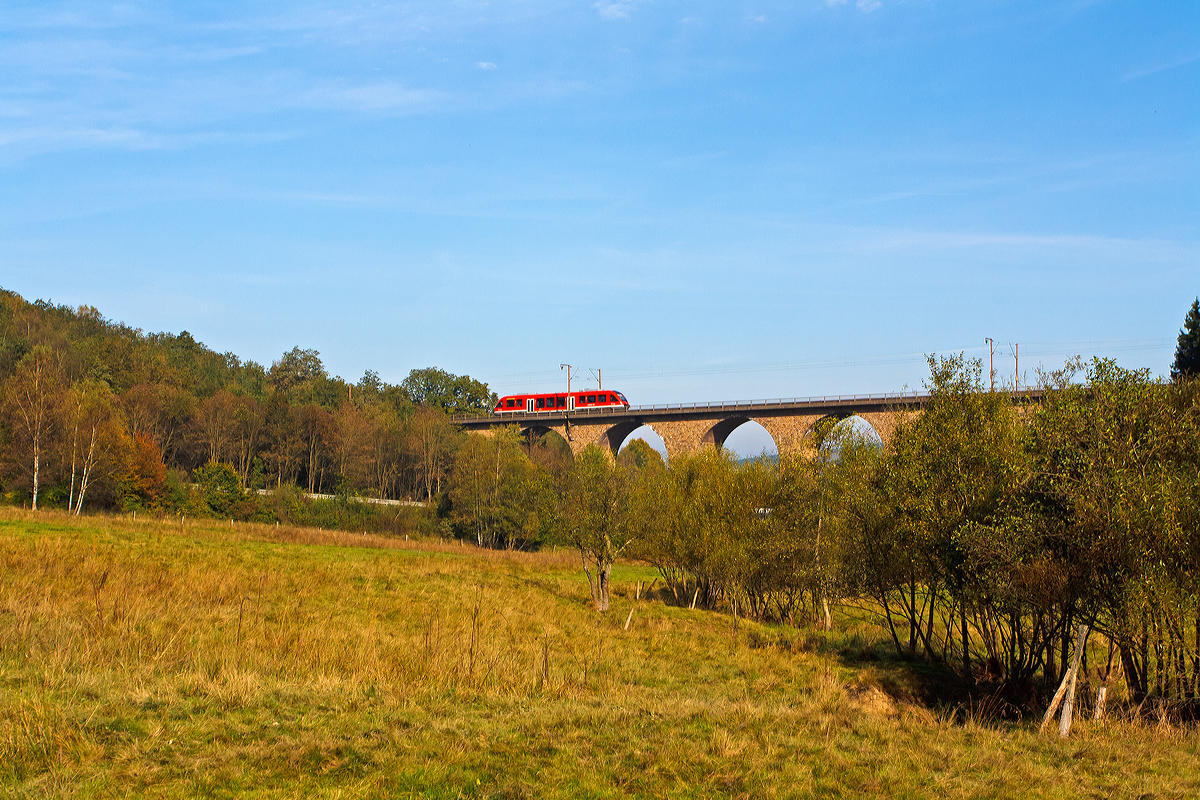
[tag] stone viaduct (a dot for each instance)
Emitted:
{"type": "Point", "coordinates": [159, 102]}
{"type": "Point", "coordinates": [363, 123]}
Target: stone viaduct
{"type": "Point", "coordinates": [687, 427]}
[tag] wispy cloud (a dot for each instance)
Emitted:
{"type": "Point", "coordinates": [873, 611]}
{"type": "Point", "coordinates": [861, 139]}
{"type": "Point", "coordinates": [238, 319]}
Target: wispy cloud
{"type": "Point", "coordinates": [1161, 67]}
{"type": "Point", "coordinates": [369, 97]}
{"type": "Point", "coordinates": [1149, 249]}
{"type": "Point", "coordinates": [613, 11]}
{"type": "Point", "coordinates": [485, 65]}
{"type": "Point", "coordinates": [865, 6]}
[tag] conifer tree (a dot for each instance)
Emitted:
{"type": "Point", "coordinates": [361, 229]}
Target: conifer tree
{"type": "Point", "coordinates": [1187, 352]}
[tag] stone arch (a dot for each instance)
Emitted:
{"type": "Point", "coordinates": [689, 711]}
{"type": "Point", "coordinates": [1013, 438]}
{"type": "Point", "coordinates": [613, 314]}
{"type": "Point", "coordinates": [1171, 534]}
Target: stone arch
{"type": "Point", "coordinates": [654, 440]}
{"type": "Point", "coordinates": [719, 434]}
{"type": "Point", "coordinates": [556, 432]}
{"type": "Point", "coordinates": [546, 445]}
{"type": "Point", "coordinates": [529, 431]}
{"type": "Point", "coordinates": [820, 429]}
{"type": "Point", "coordinates": [612, 437]}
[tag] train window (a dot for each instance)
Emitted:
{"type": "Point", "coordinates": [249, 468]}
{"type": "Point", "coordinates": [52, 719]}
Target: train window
{"type": "Point", "coordinates": [561, 402]}
{"type": "Point", "coordinates": [541, 402]}
{"type": "Point", "coordinates": [591, 398]}
{"type": "Point", "coordinates": [510, 403]}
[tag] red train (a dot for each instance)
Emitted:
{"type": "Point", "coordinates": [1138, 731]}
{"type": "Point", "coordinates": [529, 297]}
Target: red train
{"type": "Point", "coordinates": [529, 403]}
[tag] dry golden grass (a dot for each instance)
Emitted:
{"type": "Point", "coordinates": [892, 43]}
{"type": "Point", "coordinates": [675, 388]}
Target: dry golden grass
{"type": "Point", "coordinates": [148, 658]}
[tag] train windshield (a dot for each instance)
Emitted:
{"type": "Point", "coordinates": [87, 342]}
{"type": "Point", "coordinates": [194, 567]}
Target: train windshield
{"type": "Point", "coordinates": [623, 400]}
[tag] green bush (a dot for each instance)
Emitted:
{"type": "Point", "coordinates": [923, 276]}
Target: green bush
{"type": "Point", "coordinates": [220, 487]}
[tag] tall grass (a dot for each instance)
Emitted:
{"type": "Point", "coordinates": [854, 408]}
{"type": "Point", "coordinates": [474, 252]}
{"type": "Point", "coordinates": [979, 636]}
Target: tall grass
{"type": "Point", "coordinates": [159, 658]}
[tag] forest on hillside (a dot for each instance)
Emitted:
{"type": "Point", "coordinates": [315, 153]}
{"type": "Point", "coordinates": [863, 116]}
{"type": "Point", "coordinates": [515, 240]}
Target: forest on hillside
{"type": "Point", "coordinates": [103, 416]}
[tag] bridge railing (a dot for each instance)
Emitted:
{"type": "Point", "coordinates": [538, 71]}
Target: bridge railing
{"type": "Point", "coordinates": [780, 401]}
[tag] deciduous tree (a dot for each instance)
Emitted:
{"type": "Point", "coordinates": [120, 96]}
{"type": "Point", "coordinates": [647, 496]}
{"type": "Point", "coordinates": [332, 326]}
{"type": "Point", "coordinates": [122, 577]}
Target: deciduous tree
{"type": "Point", "coordinates": [490, 486]}
{"type": "Point", "coordinates": [32, 404]}
{"type": "Point", "coordinates": [214, 426]}
{"type": "Point", "coordinates": [432, 439]}
{"type": "Point", "coordinates": [96, 437]}
{"type": "Point", "coordinates": [598, 518]}
{"type": "Point", "coordinates": [454, 394]}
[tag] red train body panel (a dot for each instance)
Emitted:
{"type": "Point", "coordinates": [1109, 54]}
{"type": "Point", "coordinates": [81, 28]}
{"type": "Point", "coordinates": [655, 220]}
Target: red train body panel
{"type": "Point", "coordinates": [560, 401]}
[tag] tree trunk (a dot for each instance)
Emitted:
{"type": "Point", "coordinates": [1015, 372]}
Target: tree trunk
{"type": "Point", "coordinates": [914, 618]}
{"type": "Point", "coordinates": [968, 675]}
{"type": "Point", "coordinates": [37, 467]}
{"type": "Point", "coordinates": [603, 575]}
{"type": "Point", "coordinates": [74, 450]}
{"type": "Point", "coordinates": [591, 580]}
{"type": "Point", "coordinates": [87, 472]}
{"type": "Point", "coordinates": [1133, 678]}
{"type": "Point", "coordinates": [1101, 701]}
{"type": "Point", "coordinates": [83, 484]}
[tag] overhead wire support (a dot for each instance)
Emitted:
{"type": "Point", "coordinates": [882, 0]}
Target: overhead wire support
{"type": "Point", "coordinates": [991, 363]}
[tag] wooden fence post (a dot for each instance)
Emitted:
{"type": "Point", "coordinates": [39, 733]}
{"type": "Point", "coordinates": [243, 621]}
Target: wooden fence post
{"type": "Point", "coordinates": [1066, 689]}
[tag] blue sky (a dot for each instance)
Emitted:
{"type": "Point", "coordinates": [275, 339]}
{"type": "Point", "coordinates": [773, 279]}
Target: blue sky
{"type": "Point", "coordinates": [706, 200]}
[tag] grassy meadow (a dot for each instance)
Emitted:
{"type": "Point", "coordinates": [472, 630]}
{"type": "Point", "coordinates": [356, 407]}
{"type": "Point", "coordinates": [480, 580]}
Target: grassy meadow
{"type": "Point", "coordinates": [213, 659]}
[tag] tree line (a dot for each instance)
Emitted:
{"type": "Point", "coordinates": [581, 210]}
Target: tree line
{"type": "Point", "coordinates": [983, 533]}
{"type": "Point", "coordinates": [96, 414]}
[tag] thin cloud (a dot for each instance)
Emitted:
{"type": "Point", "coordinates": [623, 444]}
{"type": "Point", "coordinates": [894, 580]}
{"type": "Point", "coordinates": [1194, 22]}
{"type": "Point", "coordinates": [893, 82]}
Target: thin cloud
{"type": "Point", "coordinates": [1179, 62]}
{"type": "Point", "coordinates": [614, 11]}
{"type": "Point", "coordinates": [867, 6]}
{"type": "Point", "coordinates": [1148, 249]}
{"type": "Point", "coordinates": [485, 65]}
{"type": "Point", "coordinates": [370, 97]}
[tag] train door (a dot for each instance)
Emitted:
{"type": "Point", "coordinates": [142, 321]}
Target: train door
{"type": "Point", "coordinates": [529, 404]}
{"type": "Point", "coordinates": [570, 402]}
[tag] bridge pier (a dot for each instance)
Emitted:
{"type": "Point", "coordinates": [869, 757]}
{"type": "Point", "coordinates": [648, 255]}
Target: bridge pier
{"type": "Point", "coordinates": [791, 433]}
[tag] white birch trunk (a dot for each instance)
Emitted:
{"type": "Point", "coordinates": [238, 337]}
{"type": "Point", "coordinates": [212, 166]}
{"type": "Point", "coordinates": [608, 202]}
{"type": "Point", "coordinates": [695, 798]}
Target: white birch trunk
{"type": "Point", "coordinates": [37, 467]}
{"type": "Point", "coordinates": [88, 464]}
{"type": "Point", "coordinates": [74, 451]}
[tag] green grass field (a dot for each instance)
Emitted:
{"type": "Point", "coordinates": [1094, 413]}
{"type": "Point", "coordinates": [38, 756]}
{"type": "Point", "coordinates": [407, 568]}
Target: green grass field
{"type": "Point", "coordinates": [143, 658]}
